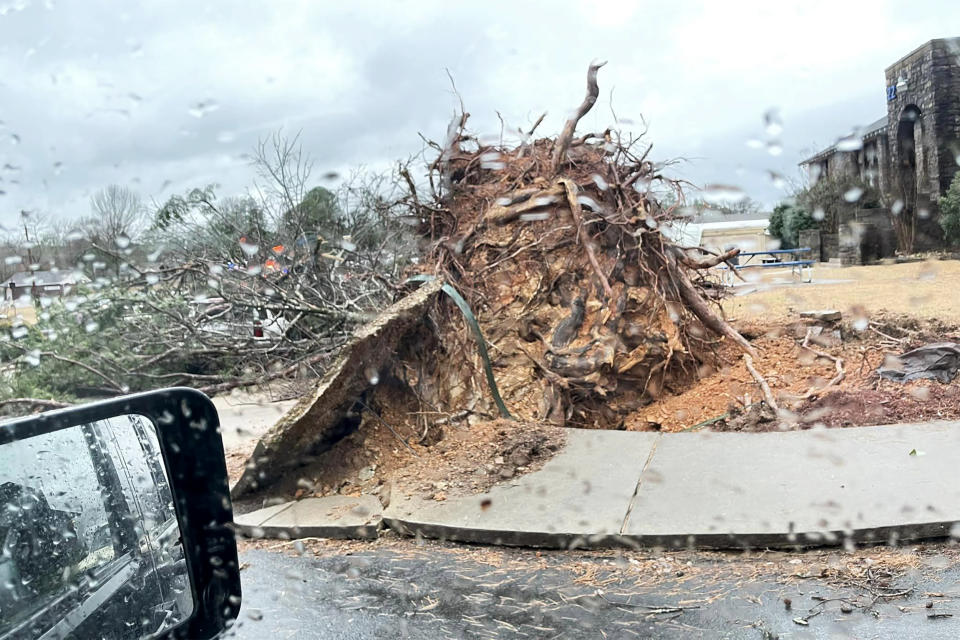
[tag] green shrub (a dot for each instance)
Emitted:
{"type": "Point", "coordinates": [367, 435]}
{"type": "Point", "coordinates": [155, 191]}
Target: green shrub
{"type": "Point", "coordinates": [786, 223]}
{"type": "Point", "coordinates": [950, 211]}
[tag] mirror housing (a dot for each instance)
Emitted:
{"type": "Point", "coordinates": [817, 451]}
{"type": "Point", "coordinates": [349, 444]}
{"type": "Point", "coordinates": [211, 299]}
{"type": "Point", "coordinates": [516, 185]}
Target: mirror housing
{"type": "Point", "coordinates": [188, 431]}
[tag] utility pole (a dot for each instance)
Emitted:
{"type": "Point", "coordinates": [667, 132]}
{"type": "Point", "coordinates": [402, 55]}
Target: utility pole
{"type": "Point", "coordinates": [26, 234]}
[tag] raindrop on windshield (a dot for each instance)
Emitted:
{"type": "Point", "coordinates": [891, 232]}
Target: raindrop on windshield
{"type": "Point", "coordinates": [122, 241]}
{"type": "Point", "coordinates": [535, 217]}
{"type": "Point", "coordinates": [248, 248]}
{"type": "Point", "coordinates": [720, 194]}
{"type": "Point", "coordinates": [492, 161]}
{"type": "Point", "coordinates": [774, 148]}
{"type": "Point", "coordinates": [852, 142]}
{"type": "Point", "coordinates": [202, 108]}
{"type": "Point", "coordinates": [852, 195]}
{"type": "Point", "coordinates": [589, 202]}
{"type": "Point", "coordinates": [772, 123]}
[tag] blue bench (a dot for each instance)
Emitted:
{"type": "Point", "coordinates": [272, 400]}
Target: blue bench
{"type": "Point", "coordinates": [796, 265]}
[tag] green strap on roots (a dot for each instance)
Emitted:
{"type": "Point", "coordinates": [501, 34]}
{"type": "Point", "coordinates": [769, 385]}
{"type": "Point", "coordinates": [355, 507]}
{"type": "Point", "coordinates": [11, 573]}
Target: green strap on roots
{"type": "Point", "coordinates": [477, 334]}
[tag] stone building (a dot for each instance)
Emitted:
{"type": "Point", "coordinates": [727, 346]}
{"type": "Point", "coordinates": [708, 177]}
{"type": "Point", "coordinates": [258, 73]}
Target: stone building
{"type": "Point", "coordinates": [910, 154]}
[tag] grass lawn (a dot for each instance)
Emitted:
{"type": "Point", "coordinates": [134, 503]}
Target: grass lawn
{"type": "Point", "coordinates": [929, 289]}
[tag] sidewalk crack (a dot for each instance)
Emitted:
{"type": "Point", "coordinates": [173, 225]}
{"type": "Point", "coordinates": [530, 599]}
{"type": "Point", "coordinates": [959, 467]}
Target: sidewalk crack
{"type": "Point", "coordinates": [636, 490]}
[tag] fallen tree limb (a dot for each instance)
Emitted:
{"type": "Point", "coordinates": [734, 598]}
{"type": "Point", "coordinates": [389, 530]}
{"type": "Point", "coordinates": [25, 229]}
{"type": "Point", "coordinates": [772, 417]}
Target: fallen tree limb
{"type": "Point", "coordinates": [705, 263]}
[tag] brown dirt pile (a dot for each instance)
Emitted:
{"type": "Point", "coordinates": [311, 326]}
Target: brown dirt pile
{"type": "Point", "coordinates": [468, 459]}
{"type": "Point", "coordinates": [729, 392]}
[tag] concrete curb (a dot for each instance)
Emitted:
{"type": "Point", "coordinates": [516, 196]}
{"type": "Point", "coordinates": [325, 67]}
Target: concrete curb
{"type": "Point", "coordinates": [867, 485]}
{"type": "Point", "coordinates": [709, 541]}
{"type": "Point", "coordinates": [358, 518]}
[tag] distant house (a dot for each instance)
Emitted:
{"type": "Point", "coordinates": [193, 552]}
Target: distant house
{"type": "Point", "coordinates": [719, 231]}
{"type": "Point", "coordinates": [38, 284]}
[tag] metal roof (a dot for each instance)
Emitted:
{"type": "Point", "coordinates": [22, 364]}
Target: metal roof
{"type": "Point", "coordinates": [875, 128]}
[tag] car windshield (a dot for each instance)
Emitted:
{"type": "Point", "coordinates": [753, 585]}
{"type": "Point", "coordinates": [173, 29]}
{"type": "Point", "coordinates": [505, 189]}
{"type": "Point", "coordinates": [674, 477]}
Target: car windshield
{"type": "Point", "coordinates": [596, 319]}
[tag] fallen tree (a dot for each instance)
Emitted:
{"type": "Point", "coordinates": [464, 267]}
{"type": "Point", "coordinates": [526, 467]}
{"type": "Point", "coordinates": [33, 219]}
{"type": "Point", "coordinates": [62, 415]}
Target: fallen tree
{"type": "Point", "coordinates": [558, 246]}
{"type": "Point", "coordinates": [587, 310]}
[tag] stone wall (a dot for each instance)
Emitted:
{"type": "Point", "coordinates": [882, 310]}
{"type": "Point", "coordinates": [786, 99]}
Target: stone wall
{"type": "Point", "coordinates": [946, 73]}
{"type": "Point", "coordinates": [811, 238]}
{"type": "Point", "coordinates": [932, 76]}
{"type": "Point", "coordinates": [829, 246]}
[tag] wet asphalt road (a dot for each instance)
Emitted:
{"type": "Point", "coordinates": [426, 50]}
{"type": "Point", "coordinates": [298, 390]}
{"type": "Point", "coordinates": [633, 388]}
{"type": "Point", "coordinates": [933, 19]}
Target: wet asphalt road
{"type": "Point", "coordinates": [440, 591]}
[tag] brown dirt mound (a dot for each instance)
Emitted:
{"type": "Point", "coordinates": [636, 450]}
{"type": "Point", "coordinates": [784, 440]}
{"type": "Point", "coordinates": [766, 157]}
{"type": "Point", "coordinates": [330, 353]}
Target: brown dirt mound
{"type": "Point", "coordinates": [727, 398]}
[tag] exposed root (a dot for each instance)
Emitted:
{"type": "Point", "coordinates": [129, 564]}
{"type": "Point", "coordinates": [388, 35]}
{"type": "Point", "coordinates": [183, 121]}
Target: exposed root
{"type": "Point", "coordinates": [761, 381]}
{"type": "Point", "coordinates": [838, 363]}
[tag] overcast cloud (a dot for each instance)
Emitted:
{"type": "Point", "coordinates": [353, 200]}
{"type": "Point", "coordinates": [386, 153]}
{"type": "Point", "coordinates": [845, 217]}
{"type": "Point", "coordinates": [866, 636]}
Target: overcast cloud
{"type": "Point", "coordinates": [165, 96]}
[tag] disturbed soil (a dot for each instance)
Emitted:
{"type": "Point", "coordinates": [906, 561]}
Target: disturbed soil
{"type": "Point", "coordinates": [466, 457]}
{"type": "Point", "coordinates": [728, 399]}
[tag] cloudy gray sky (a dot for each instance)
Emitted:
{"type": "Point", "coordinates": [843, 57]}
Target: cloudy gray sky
{"type": "Point", "coordinates": [165, 96]}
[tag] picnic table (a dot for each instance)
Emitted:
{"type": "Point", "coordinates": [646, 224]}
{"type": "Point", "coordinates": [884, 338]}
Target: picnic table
{"type": "Point", "coordinates": [797, 260]}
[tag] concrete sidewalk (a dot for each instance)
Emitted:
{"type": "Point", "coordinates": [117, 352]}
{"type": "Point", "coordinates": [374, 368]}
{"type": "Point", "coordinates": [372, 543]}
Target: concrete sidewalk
{"type": "Point", "coordinates": [716, 490]}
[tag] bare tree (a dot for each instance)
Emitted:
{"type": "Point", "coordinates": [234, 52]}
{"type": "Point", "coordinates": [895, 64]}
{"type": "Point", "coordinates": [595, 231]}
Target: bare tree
{"type": "Point", "coordinates": [117, 212]}
{"type": "Point", "coordinates": [34, 240]}
{"type": "Point", "coordinates": [117, 218]}
{"type": "Point", "coordinates": [284, 172]}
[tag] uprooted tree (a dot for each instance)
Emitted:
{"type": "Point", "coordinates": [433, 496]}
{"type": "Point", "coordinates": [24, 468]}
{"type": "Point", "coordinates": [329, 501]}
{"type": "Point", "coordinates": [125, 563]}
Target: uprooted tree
{"type": "Point", "coordinates": [588, 311]}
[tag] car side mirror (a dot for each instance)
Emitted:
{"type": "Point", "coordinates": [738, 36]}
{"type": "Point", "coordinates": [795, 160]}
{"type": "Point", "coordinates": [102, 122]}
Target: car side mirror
{"type": "Point", "coordinates": [115, 521]}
